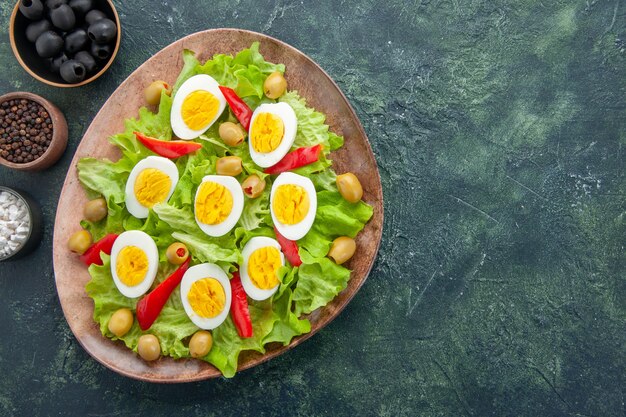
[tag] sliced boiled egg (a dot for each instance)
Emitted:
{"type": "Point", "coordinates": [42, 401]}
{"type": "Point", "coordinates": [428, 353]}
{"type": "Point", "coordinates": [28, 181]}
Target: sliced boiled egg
{"type": "Point", "coordinates": [196, 106]}
{"type": "Point", "coordinates": [293, 204]}
{"type": "Point", "coordinates": [206, 295]}
{"type": "Point", "coordinates": [218, 204]}
{"type": "Point", "coordinates": [151, 181]}
{"type": "Point", "coordinates": [272, 131]}
{"type": "Point", "coordinates": [134, 263]}
{"type": "Point", "coordinates": [261, 259]}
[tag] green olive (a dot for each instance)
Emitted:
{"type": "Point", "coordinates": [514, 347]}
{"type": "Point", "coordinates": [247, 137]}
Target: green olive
{"type": "Point", "coordinates": [232, 133]}
{"type": "Point", "coordinates": [229, 165]}
{"type": "Point", "coordinates": [342, 249]}
{"type": "Point", "coordinates": [120, 322]}
{"type": "Point", "coordinates": [148, 347]}
{"type": "Point", "coordinates": [177, 253]}
{"type": "Point", "coordinates": [275, 85]}
{"type": "Point", "coordinates": [200, 344]}
{"type": "Point", "coordinates": [153, 92]}
{"type": "Point", "coordinates": [95, 210]}
{"type": "Point", "coordinates": [79, 242]}
{"type": "Point", "coordinates": [253, 186]}
{"type": "Point", "coordinates": [349, 187]}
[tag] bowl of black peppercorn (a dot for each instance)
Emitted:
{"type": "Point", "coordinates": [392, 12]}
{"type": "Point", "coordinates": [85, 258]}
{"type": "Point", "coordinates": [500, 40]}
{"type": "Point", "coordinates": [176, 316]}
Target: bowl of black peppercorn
{"type": "Point", "coordinates": [33, 132]}
{"type": "Point", "coordinates": [65, 43]}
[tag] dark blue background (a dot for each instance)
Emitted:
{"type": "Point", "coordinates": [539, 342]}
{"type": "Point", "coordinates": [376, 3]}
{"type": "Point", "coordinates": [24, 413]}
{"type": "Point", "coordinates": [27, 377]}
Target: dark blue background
{"type": "Point", "coordinates": [499, 129]}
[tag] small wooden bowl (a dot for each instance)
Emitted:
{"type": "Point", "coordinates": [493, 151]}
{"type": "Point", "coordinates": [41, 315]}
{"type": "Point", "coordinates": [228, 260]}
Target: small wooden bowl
{"type": "Point", "coordinates": [35, 228]}
{"type": "Point", "coordinates": [59, 134]}
{"type": "Point", "coordinates": [35, 65]}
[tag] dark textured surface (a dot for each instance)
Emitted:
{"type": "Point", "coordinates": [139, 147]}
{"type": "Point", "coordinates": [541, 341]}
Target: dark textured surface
{"type": "Point", "coordinates": [499, 289]}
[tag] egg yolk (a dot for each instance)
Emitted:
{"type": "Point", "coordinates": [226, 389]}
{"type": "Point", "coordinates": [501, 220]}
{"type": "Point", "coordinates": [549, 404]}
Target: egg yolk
{"type": "Point", "coordinates": [267, 132]}
{"type": "Point", "coordinates": [152, 186]}
{"type": "Point", "coordinates": [291, 203]}
{"type": "Point", "coordinates": [131, 265]}
{"type": "Point", "coordinates": [207, 297]}
{"type": "Point", "coordinates": [262, 267]}
{"type": "Point", "coordinates": [199, 108]}
{"type": "Point", "coordinates": [213, 203]}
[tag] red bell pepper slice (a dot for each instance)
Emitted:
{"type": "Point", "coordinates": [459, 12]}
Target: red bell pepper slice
{"type": "Point", "coordinates": [169, 149]}
{"type": "Point", "coordinates": [296, 159]}
{"type": "Point", "coordinates": [240, 109]}
{"type": "Point", "coordinates": [239, 307]}
{"type": "Point", "coordinates": [150, 306]}
{"type": "Point", "coordinates": [289, 247]}
{"type": "Point", "coordinates": [92, 255]}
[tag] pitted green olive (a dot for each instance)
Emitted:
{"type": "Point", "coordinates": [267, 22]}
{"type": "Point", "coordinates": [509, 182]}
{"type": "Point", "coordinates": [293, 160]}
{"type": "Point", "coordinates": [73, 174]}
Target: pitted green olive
{"type": "Point", "coordinates": [229, 165]}
{"type": "Point", "coordinates": [153, 92]}
{"type": "Point", "coordinates": [149, 347]}
{"type": "Point", "coordinates": [200, 344]}
{"type": "Point", "coordinates": [95, 210]}
{"type": "Point", "coordinates": [342, 249]}
{"type": "Point", "coordinates": [120, 322]}
{"type": "Point", "coordinates": [177, 253]}
{"type": "Point", "coordinates": [80, 241]}
{"type": "Point", "coordinates": [350, 187]}
{"type": "Point", "coordinates": [232, 133]}
{"type": "Point", "coordinates": [275, 85]}
{"type": "Point", "coordinates": [253, 186]}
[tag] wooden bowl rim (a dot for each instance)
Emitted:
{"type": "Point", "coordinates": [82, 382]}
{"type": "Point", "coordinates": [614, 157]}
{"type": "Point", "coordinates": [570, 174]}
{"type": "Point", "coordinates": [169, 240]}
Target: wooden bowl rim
{"type": "Point", "coordinates": [295, 341]}
{"type": "Point", "coordinates": [94, 77]}
{"type": "Point", "coordinates": [59, 131]}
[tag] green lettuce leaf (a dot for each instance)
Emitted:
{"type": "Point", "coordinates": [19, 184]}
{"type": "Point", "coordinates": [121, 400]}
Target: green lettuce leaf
{"type": "Point", "coordinates": [319, 278]}
{"type": "Point", "coordinates": [288, 324]}
{"type": "Point", "coordinates": [311, 127]}
{"type": "Point", "coordinates": [227, 345]}
{"type": "Point", "coordinates": [256, 211]}
{"type": "Point", "coordinates": [319, 281]}
{"type": "Point", "coordinates": [190, 65]}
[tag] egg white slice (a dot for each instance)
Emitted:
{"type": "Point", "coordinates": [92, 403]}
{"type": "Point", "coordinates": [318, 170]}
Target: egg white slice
{"type": "Point", "coordinates": [199, 272]}
{"type": "Point", "coordinates": [220, 229]}
{"type": "Point", "coordinates": [164, 165]}
{"type": "Point", "coordinates": [290, 122]}
{"type": "Point", "coordinates": [298, 230]}
{"type": "Point", "coordinates": [253, 244]}
{"type": "Point", "coordinates": [201, 82]}
{"type": "Point", "coordinates": [144, 242]}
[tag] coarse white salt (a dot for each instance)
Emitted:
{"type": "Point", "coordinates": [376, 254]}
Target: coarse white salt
{"type": "Point", "coordinates": [14, 223]}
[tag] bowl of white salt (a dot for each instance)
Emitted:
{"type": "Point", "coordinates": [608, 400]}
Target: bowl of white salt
{"type": "Point", "coordinates": [20, 224]}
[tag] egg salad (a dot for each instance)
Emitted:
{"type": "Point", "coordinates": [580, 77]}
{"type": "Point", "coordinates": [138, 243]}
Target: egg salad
{"type": "Point", "coordinates": [224, 225]}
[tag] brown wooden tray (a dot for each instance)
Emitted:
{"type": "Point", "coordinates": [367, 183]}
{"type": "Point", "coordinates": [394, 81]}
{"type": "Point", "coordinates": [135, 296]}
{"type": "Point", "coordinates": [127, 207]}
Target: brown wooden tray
{"type": "Point", "coordinates": [356, 156]}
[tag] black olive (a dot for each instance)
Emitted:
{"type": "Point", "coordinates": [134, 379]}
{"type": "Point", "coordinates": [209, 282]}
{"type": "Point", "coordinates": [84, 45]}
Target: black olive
{"type": "Point", "coordinates": [35, 29]}
{"type": "Point", "coordinates": [53, 4]}
{"type": "Point", "coordinates": [63, 17]}
{"type": "Point", "coordinates": [76, 41]}
{"type": "Point", "coordinates": [102, 52]}
{"type": "Point", "coordinates": [57, 61]}
{"type": "Point", "coordinates": [48, 44]}
{"type": "Point", "coordinates": [94, 15]}
{"type": "Point", "coordinates": [31, 9]}
{"type": "Point", "coordinates": [81, 7]}
{"type": "Point", "coordinates": [102, 31]}
{"type": "Point", "coordinates": [73, 71]}
{"type": "Point", "coordinates": [87, 60]}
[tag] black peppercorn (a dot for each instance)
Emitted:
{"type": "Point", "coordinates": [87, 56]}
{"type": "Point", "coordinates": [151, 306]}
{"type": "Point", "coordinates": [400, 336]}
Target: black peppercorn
{"type": "Point", "coordinates": [18, 144]}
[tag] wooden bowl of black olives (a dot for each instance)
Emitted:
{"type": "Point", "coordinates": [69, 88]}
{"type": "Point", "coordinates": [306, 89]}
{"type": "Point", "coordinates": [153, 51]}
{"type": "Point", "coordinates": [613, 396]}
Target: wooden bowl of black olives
{"type": "Point", "coordinates": [65, 43]}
